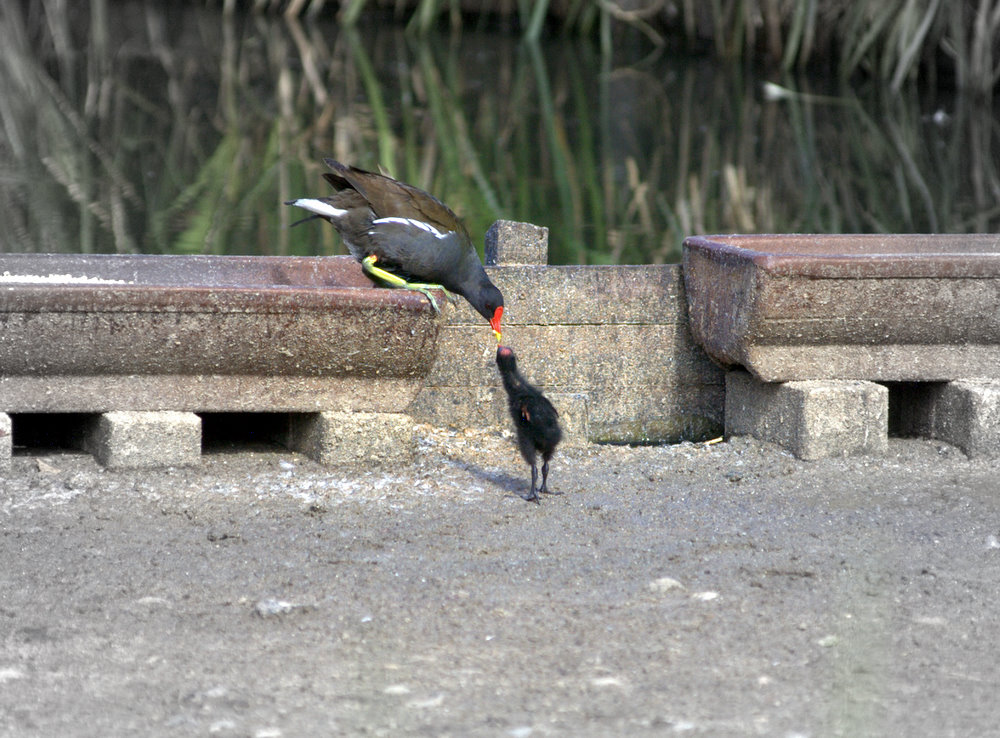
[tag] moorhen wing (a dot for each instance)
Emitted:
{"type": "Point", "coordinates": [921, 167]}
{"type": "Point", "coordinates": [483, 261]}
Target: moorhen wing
{"type": "Point", "coordinates": [415, 239]}
{"type": "Point", "coordinates": [535, 418]}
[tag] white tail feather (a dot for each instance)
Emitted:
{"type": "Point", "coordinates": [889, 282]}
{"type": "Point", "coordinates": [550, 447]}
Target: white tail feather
{"type": "Point", "coordinates": [319, 207]}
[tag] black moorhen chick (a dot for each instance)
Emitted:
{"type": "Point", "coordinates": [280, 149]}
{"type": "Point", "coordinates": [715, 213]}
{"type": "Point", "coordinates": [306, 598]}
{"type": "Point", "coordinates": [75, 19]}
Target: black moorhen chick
{"type": "Point", "coordinates": [418, 242]}
{"type": "Point", "coordinates": [535, 419]}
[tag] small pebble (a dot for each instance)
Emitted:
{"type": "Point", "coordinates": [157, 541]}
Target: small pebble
{"type": "Point", "coordinates": [664, 584]}
{"type": "Point", "coordinates": [272, 607]}
{"type": "Point", "coordinates": [10, 673]}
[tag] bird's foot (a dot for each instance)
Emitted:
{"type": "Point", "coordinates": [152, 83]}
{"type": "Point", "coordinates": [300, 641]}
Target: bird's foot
{"type": "Point", "coordinates": [394, 280]}
{"type": "Point", "coordinates": [425, 289]}
{"type": "Point", "coordinates": [546, 491]}
{"type": "Point", "coordinates": [532, 496]}
{"type": "Point", "coordinates": [426, 292]}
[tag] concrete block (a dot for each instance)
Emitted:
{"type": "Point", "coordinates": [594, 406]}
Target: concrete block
{"type": "Point", "coordinates": [334, 438]}
{"type": "Point", "coordinates": [655, 415]}
{"type": "Point", "coordinates": [6, 442]}
{"type": "Point", "coordinates": [511, 242]}
{"type": "Point", "coordinates": [486, 407]}
{"type": "Point", "coordinates": [621, 358]}
{"type": "Point", "coordinates": [572, 407]}
{"type": "Point", "coordinates": [965, 413]}
{"type": "Point", "coordinates": [144, 440]}
{"type": "Point", "coordinates": [677, 417]}
{"type": "Point", "coordinates": [616, 335]}
{"type": "Point", "coordinates": [644, 383]}
{"type": "Point", "coordinates": [813, 419]}
{"type": "Point", "coordinates": [459, 407]}
{"type": "Point", "coordinates": [585, 295]}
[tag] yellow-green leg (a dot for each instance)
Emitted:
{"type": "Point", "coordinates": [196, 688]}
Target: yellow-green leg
{"type": "Point", "coordinates": [368, 264]}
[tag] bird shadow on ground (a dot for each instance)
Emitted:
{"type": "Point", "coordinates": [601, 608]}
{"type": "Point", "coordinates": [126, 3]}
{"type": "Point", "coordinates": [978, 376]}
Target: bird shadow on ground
{"type": "Point", "coordinates": [504, 481]}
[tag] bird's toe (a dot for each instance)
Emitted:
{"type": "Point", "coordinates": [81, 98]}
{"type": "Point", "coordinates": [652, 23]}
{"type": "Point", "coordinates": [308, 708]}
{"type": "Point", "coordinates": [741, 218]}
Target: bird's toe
{"type": "Point", "coordinates": [433, 302]}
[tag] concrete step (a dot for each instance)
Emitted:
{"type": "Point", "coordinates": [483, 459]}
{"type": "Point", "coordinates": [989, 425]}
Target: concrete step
{"type": "Point", "coordinates": [821, 418]}
{"type": "Point", "coordinates": [154, 439]}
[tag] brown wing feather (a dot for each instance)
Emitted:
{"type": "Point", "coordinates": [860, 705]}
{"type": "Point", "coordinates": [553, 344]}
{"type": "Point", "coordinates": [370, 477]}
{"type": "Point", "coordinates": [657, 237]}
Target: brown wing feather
{"type": "Point", "coordinates": [344, 196]}
{"type": "Point", "coordinates": [390, 198]}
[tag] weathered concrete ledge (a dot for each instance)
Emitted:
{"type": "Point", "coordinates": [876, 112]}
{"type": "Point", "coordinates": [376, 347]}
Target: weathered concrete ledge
{"type": "Point", "coordinates": [146, 344]}
{"type": "Point", "coordinates": [611, 346]}
{"type": "Point", "coordinates": [138, 346]}
{"type": "Point", "coordinates": [818, 320]}
{"type": "Point", "coordinates": [874, 307]}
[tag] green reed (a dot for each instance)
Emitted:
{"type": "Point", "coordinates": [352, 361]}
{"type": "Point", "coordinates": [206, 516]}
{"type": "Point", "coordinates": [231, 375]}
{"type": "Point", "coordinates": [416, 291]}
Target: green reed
{"type": "Point", "coordinates": [620, 160]}
{"type": "Point", "coordinates": [893, 40]}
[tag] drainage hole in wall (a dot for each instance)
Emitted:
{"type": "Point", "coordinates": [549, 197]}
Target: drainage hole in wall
{"type": "Point", "coordinates": [33, 432]}
{"type": "Point", "coordinates": [227, 432]}
{"type": "Point", "coordinates": [909, 407]}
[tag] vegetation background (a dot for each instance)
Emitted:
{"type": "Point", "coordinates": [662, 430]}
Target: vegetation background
{"type": "Point", "coordinates": [623, 126]}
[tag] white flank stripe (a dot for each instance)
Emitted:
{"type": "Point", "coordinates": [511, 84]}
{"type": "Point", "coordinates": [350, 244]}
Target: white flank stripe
{"type": "Point", "coordinates": [411, 222]}
{"type": "Point", "coordinates": [319, 207]}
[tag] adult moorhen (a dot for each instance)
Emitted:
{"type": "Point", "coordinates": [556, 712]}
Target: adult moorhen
{"type": "Point", "coordinates": [535, 418]}
{"type": "Point", "coordinates": [416, 240]}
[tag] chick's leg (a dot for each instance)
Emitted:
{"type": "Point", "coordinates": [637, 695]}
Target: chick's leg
{"type": "Point", "coordinates": [532, 496]}
{"type": "Point", "coordinates": [545, 479]}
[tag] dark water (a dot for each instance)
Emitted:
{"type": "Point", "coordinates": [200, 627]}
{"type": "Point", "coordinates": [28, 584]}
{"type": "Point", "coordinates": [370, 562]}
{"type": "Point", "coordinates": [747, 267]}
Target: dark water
{"type": "Point", "coordinates": [168, 128]}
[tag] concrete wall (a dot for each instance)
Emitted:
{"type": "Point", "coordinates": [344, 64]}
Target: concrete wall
{"type": "Point", "coordinates": [609, 345]}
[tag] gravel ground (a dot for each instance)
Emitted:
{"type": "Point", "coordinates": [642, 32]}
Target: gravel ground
{"type": "Point", "coordinates": [720, 590]}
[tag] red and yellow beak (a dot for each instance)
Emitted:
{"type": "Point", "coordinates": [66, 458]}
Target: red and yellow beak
{"type": "Point", "coordinates": [495, 322]}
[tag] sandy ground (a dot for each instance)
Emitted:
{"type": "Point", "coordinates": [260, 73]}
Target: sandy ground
{"type": "Point", "coordinates": [724, 590]}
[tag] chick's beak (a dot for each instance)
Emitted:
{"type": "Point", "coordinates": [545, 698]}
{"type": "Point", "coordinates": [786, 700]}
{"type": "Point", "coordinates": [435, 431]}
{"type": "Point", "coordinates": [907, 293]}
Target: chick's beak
{"type": "Point", "coordinates": [495, 322]}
